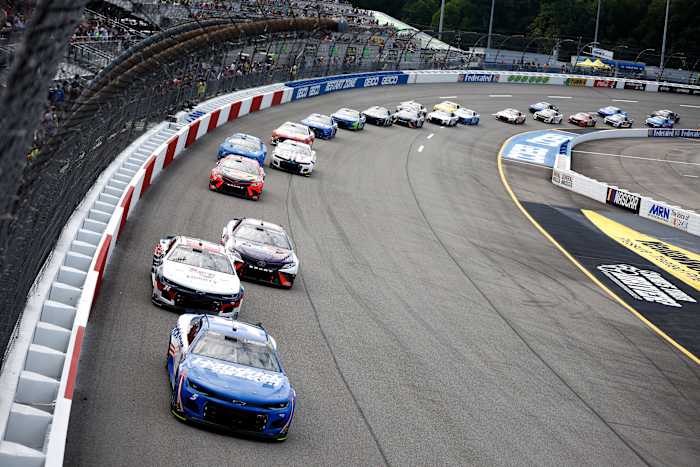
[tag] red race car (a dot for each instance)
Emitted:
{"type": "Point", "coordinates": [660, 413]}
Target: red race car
{"type": "Point", "coordinates": [238, 175]}
{"type": "Point", "coordinates": [293, 131]}
{"type": "Point", "coordinates": [582, 119]}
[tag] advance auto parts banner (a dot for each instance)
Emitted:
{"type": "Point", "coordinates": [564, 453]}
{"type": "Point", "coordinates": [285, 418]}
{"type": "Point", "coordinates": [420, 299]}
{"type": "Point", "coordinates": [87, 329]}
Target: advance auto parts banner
{"type": "Point", "coordinates": [527, 79]}
{"type": "Point", "coordinates": [319, 86]}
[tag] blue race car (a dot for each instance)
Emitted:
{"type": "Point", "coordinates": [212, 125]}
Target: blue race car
{"type": "Point", "coordinates": [658, 121]}
{"type": "Point", "coordinates": [349, 119]}
{"type": "Point", "coordinates": [542, 106]}
{"type": "Point", "coordinates": [226, 374]}
{"type": "Point", "coordinates": [610, 110]}
{"type": "Point", "coordinates": [323, 126]}
{"type": "Point", "coordinates": [241, 144]}
{"type": "Point", "coordinates": [467, 116]}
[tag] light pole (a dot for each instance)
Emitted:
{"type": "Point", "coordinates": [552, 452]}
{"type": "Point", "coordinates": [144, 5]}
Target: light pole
{"type": "Point", "coordinates": [663, 41]}
{"type": "Point", "coordinates": [597, 21]}
{"type": "Point", "coordinates": [498, 50]}
{"type": "Point", "coordinates": [488, 43]}
{"type": "Point", "coordinates": [442, 15]}
{"type": "Point", "coordinates": [639, 55]}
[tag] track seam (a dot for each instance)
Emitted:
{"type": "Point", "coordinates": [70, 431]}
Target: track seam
{"type": "Point", "coordinates": [355, 401]}
{"type": "Point", "coordinates": [506, 320]}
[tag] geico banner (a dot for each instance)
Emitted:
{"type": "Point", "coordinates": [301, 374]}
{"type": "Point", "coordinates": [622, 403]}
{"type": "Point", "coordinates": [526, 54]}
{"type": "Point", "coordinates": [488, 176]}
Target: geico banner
{"type": "Point", "coordinates": [317, 87]}
{"type": "Point", "coordinates": [478, 77]}
{"type": "Point", "coordinates": [527, 79]}
{"type": "Point", "coordinates": [623, 199]}
{"type": "Point", "coordinates": [575, 82]}
{"type": "Point", "coordinates": [673, 133]}
{"type": "Point", "coordinates": [677, 218]}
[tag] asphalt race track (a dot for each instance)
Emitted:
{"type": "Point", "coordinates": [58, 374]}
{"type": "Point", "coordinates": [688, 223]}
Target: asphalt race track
{"type": "Point", "coordinates": [432, 325]}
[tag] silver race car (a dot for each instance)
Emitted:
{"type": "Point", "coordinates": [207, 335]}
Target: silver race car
{"type": "Point", "coordinates": [411, 118]}
{"type": "Point", "coordinates": [443, 117]}
{"type": "Point", "coordinates": [548, 116]}
{"type": "Point", "coordinates": [513, 116]}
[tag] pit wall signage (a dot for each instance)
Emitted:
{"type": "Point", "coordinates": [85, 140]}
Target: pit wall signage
{"type": "Point", "coordinates": [669, 215]}
{"type": "Point", "coordinates": [679, 90]}
{"type": "Point", "coordinates": [604, 83]}
{"type": "Point", "coordinates": [320, 86]}
{"type": "Point", "coordinates": [634, 86]}
{"type": "Point", "coordinates": [478, 78]}
{"type": "Point", "coordinates": [623, 199]}
{"type": "Point", "coordinates": [576, 82]}
{"type": "Point", "coordinates": [526, 79]}
{"type": "Point", "coordinates": [673, 133]}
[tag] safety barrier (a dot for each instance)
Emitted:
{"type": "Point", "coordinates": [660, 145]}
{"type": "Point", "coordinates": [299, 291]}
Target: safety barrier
{"type": "Point", "coordinates": [39, 375]}
{"type": "Point", "coordinates": [644, 206]}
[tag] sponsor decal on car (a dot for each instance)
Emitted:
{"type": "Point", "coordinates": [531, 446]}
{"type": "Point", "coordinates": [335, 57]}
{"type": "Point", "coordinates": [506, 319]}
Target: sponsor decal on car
{"type": "Point", "coordinates": [673, 133]}
{"type": "Point", "coordinates": [604, 83]}
{"type": "Point", "coordinates": [250, 374]}
{"type": "Point", "coordinates": [635, 86]}
{"type": "Point", "coordinates": [575, 82]}
{"type": "Point", "coordinates": [528, 79]}
{"type": "Point", "coordinates": [623, 199]}
{"type": "Point", "coordinates": [645, 285]}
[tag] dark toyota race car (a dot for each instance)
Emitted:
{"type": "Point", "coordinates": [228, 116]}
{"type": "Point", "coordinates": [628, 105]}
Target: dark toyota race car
{"type": "Point", "coordinates": [263, 251]}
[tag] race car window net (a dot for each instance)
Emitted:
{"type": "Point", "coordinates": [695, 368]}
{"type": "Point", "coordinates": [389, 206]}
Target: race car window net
{"type": "Point", "coordinates": [263, 236]}
{"type": "Point", "coordinates": [237, 350]}
{"type": "Point", "coordinates": [201, 259]}
{"type": "Point", "coordinates": [250, 146]}
{"type": "Point", "coordinates": [245, 165]}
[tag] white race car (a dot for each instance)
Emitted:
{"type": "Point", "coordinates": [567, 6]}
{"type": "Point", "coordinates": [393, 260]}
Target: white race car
{"type": "Point", "coordinates": [295, 157]}
{"type": "Point", "coordinates": [411, 118]}
{"type": "Point", "coordinates": [192, 274]}
{"type": "Point", "coordinates": [412, 105]}
{"type": "Point", "coordinates": [618, 121]}
{"type": "Point", "coordinates": [548, 116]}
{"type": "Point", "coordinates": [442, 117]}
{"type": "Point", "coordinates": [511, 116]}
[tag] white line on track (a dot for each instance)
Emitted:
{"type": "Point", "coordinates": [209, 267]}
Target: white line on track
{"type": "Point", "coordinates": [690, 106]}
{"type": "Point", "coordinates": [431, 135]}
{"type": "Point", "coordinates": [636, 157]}
{"type": "Point", "coordinates": [447, 97]}
{"type": "Point", "coordinates": [500, 95]}
{"type": "Point", "coordinates": [420, 149]}
{"type": "Point", "coordinates": [625, 100]}
{"type": "Point", "coordinates": [560, 97]}
{"type": "Point", "coordinates": [527, 163]}
{"type": "Point", "coordinates": [691, 176]}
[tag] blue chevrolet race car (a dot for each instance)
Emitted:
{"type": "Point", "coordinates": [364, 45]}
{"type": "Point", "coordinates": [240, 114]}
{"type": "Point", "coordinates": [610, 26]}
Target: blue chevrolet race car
{"type": "Point", "coordinates": [349, 119]}
{"type": "Point", "coordinates": [241, 144]}
{"type": "Point", "coordinates": [467, 116]}
{"type": "Point", "coordinates": [323, 126]}
{"type": "Point", "coordinates": [610, 110]}
{"type": "Point", "coordinates": [226, 374]}
{"type": "Point", "coordinates": [658, 121]}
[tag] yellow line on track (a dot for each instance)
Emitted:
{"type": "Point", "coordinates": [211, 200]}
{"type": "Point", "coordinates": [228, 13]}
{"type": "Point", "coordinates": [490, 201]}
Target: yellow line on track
{"type": "Point", "coordinates": [588, 274]}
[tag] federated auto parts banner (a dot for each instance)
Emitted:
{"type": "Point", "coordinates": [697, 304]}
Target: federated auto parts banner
{"type": "Point", "coordinates": [673, 133]}
{"type": "Point", "coordinates": [319, 86]}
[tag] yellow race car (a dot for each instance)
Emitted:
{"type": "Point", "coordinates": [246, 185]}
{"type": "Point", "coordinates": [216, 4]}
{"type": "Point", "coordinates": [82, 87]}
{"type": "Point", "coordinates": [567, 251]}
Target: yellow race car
{"type": "Point", "coordinates": [447, 106]}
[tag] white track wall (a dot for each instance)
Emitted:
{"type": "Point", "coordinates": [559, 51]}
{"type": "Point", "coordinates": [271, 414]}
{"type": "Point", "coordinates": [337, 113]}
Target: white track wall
{"type": "Point", "coordinates": [39, 374]}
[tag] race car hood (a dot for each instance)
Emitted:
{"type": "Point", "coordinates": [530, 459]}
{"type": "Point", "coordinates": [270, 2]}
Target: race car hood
{"type": "Point", "coordinates": [406, 115]}
{"type": "Point", "coordinates": [267, 253]}
{"type": "Point", "coordinates": [440, 114]}
{"type": "Point", "coordinates": [376, 113]}
{"type": "Point", "coordinates": [238, 382]}
{"type": "Point", "coordinates": [347, 117]}
{"type": "Point", "coordinates": [239, 151]}
{"type": "Point", "coordinates": [238, 175]}
{"type": "Point", "coordinates": [294, 155]}
{"type": "Point", "coordinates": [313, 123]}
{"type": "Point", "coordinates": [656, 119]}
{"type": "Point", "coordinates": [203, 280]}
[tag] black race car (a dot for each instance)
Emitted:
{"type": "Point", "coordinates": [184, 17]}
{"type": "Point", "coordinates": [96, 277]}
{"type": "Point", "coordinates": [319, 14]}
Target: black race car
{"type": "Point", "coordinates": [380, 116]}
{"type": "Point", "coordinates": [262, 251]}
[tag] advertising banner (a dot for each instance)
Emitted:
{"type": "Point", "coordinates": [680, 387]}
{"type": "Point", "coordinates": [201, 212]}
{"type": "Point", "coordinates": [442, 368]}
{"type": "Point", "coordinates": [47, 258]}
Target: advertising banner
{"type": "Point", "coordinates": [478, 77]}
{"type": "Point", "coordinates": [673, 133]}
{"type": "Point", "coordinates": [528, 79]}
{"type": "Point", "coordinates": [635, 86]}
{"type": "Point", "coordinates": [317, 87]}
{"type": "Point", "coordinates": [602, 53]}
{"type": "Point", "coordinates": [679, 90]}
{"type": "Point", "coordinates": [576, 82]}
{"type": "Point", "coordinates": [563, 179]}
{"type": "Point", "coordinates": [536, 147]}
{"type": "Point", "coordinates": [623, 199]}
{"type": "Point", "coordinates": [604, 83]}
